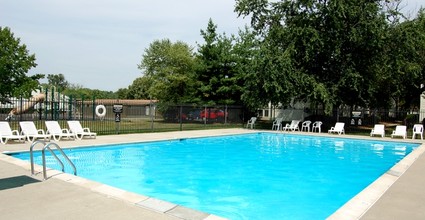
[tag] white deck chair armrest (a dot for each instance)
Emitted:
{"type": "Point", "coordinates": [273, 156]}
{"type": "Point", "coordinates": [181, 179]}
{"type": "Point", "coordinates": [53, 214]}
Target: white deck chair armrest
{"type": "Point", "coordinates": [65, 130]}
{"type": "Point", "coordinates": [16, 132]}
{"type": "Point", "coordinates": [86, 130]}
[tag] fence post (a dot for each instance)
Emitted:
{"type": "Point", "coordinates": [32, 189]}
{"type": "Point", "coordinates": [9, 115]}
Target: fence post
{"type": "Point", "coordinates": [181, 117]}
{"type": "Point", "coordinates": [70, 110]}
{"type": "Point", "coordinates": [40, 108]}
{"type": "Point", "coordinates": [225, 114]}
{"type": "Point", "coordinates": [150, 112]}
{"type": "Point", "coordinates": [205, 115]}
{"type": "Point", "coordinates": [63, 107]}
{"type": "Point", "coordinates": [56, 104]}
{"type": "Point", "coordinates": [52, 104]}
{"type": "Point", "coordinates": [21, 108]}
{"type": "Point", "coordinates": [94, 108]}
{"type": "Point", "coordinates": [46, 101]}
{"type": "Point", "coordinates": [82, 107]}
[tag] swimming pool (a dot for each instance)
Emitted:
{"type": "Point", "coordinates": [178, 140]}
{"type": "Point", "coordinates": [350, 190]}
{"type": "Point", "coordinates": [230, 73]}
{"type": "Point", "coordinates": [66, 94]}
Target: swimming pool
{"type": "Point", "coordinates": [257, 176]}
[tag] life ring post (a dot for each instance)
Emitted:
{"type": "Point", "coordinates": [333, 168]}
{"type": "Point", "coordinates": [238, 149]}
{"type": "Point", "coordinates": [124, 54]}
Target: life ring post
{"type": "Point", "coordinates": [100, 111]}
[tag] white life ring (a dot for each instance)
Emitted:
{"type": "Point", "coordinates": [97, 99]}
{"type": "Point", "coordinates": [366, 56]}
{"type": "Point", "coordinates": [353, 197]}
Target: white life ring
{"type": "Point", "coordinates": [100, 113]}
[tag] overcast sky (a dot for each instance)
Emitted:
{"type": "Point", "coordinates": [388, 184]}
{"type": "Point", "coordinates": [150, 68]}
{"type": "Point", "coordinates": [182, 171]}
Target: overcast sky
{"type": "Point", "coordinates": [99, 43]}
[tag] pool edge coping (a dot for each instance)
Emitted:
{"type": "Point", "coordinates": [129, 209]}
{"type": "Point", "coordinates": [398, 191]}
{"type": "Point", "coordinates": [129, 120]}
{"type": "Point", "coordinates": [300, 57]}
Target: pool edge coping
{"type": "Point", "coordinates": [139, 200]}
{"type": "Point", "coordinates": [355, 208]}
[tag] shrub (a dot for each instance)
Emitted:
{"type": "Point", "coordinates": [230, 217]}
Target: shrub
{"type": "Point", "coordinates": [411, 119]}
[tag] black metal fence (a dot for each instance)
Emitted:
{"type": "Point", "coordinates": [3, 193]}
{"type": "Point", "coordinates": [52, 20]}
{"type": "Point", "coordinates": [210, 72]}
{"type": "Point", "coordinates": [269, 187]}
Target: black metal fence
{"type": "Point", "coordinates": [136, 116]}
{"type": "Point", "coordinates": [133, 116]}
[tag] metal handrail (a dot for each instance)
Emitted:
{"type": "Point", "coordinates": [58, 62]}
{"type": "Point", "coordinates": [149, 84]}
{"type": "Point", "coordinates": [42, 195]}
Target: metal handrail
{"type": "Point", "coordinates": [31, 153]}
{"type": "Point", "coordinates": [47, 146]}
{"type": "Point", "coordinates": [53, 153]}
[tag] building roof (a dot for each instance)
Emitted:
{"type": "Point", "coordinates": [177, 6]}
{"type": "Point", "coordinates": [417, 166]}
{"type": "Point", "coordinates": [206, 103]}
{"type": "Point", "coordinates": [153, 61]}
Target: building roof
{"type": "Point", "coordinates": [121, 101]}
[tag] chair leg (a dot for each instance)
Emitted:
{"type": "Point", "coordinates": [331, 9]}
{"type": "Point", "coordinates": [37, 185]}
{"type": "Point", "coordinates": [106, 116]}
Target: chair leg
{"type": "Point", "coordinates": [57, 137]}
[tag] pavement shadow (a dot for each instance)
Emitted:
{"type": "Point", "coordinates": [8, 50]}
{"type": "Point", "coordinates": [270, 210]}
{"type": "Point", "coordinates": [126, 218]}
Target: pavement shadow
{"type": "Point", "coordinates": [16, 181]}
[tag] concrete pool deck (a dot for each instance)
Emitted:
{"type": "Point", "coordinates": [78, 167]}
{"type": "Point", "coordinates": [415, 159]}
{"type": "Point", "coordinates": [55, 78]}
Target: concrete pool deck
{"type": "Point", "coordinates": [398, 194]}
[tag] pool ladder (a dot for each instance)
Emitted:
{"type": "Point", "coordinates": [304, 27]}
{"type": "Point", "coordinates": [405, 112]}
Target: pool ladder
{"type": "Point", "coordinates": [43, 153]}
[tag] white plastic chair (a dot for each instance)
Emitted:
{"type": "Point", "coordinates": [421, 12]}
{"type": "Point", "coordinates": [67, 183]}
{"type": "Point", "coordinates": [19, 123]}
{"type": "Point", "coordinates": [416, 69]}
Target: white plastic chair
{"type": "Point", "coordinates": [418, 129]}
{"type": "Point", "coordinates": [31, 132]}
{"type": "Point", "coordinates": [251, 122]}
{"type": "Point", "coordinates": [400, 131]}
{"type": "Point", "coordinates": [79, 132]}
{"type": "Point", "coordinates": [277, 123]}
{"type": "Point", "coordinates": [317, 126]}
{"type": "Point", "coordinates": [54, 129]}
{"type": "Point", "coordinates": [293, 126]}
{"type": "Point", "coordinates": [306, 126]}
{"type": "Point", "coordinates": [378, 129]}
{"type": "Point", "coordinates": [338, 128]}
{"type": "Point", "coordinates": [6, 133]}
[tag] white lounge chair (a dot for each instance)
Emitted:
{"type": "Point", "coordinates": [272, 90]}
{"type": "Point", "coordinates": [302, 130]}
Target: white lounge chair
{"type": "Point", "coordinates": [293, 126]}
{"type": "Point", "coordinates": [79, 132]}
{"type": "Point", "coordinates": [338, 128]}
{"type": "Point", "coordinates": [54, 129]}
{"type": "Point", "coordinates": [277, 123]}
{"type": "Point", "coordinates": [418, 129]}
{"type": "Point", "coordinates": [306, 126]}
{"type": "Point", "coordinates": [31, 132]}
{"type": "Point", "coordinates": [378, 129]}
{"type": "Point", "coordinates": [317, 126]}
{"type": "Point", "coordinates": [251, 122]}
{"type": "Point", "coordinates": [6, 133]}
{"type": "Point", "coordinates": [400, 131]}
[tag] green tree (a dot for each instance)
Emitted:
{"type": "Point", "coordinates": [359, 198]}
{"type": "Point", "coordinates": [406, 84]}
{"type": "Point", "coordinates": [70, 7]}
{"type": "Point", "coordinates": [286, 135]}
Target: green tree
{"type": "Point", "coordinates": [324, 52]}
{"type": "Point", "coordinates": [267, 72]}
{"type": "Point", "coordinates": [58, 81]}
{"type": "Point", "coordinates": [79, 92]}
{"type": "Point", "coordinates": [169, 67]}
{"type": "Point", "coordinates": [408, 69]}
{"type": "Point", "coordinates": [139, 89]}
{"type": "Point", "coordinates": [403, 62]}
{"type": "Point", "coordinates": [15, 62]}
{"type": "Point", "coordinates": [122, 93]}
{"type": "Point", "coordinates": [216, 73]}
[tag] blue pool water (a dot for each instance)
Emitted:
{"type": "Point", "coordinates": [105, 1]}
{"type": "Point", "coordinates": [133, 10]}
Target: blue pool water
{"type": "Point", "coordinates": [255, 176]}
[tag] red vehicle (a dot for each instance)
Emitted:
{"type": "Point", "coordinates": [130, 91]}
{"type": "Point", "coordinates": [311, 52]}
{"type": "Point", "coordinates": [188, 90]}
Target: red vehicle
{"type": "Point", "coordinates": [216, 114]}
